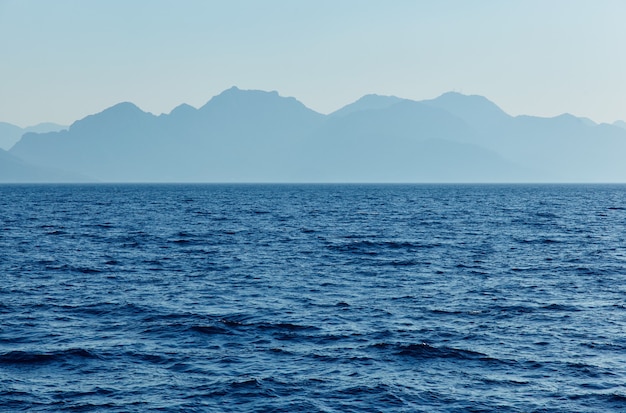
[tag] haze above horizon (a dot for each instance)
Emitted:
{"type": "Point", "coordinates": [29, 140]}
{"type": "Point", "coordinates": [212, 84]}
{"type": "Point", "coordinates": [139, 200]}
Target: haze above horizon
{"type": "Point", "coordinates": [67, 59]}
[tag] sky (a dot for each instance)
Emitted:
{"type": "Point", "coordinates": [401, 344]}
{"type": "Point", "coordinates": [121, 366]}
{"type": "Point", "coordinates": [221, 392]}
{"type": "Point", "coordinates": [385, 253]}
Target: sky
{"type": "Point", "coordinates": [65, 59]}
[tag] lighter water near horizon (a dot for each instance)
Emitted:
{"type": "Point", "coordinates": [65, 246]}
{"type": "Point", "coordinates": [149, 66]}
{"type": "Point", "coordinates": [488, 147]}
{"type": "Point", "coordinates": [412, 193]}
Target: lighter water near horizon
{"type": "Point", "coordinates": [313, 298]}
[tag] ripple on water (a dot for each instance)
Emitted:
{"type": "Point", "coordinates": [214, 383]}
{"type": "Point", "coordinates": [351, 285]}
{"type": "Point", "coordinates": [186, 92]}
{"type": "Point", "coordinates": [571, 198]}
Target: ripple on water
{"type": "Point", "coordinates": [312, 298]}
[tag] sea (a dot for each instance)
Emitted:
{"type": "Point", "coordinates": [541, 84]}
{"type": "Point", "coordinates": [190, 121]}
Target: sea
{"type": "Point", "coordinates": [312, 298]}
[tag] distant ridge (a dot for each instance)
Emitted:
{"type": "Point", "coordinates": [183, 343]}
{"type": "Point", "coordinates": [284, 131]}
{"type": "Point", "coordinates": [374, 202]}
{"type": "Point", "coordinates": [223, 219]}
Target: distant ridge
{"type": "Point", "coordinates": [620, 123]}
{"type": "Point", "coordinates": [368, 102]}
{"type": "Point", "coordinates": [259, 136]}
{"type": "Point", "coordinates": [10, 134]}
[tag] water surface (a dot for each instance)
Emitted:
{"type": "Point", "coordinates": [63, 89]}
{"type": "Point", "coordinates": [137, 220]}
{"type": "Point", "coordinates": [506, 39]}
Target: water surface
{"type": "Point", "coordinates": [329, 298]}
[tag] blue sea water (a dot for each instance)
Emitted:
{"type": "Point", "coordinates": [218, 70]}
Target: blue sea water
{"type": "Point", "coordinates": [313, 298]}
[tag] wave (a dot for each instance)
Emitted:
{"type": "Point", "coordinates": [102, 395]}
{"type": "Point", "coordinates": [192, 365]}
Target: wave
{"type": "Point", "coordinates": [18, 357]}
{"type": "Point", "coordinates": [368, 247]}
{"type": "Point", "coordinates": [425, 351]}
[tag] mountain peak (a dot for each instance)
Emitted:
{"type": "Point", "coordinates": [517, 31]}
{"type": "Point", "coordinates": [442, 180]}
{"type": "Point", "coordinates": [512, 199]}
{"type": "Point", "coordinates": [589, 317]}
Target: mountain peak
{"type": "Point", "coordinates": [123, 107]}
{"type": "Point", "coordinates": [381, 100]}
{"type": "Point", "coordinates": [234, 91]}
{"type": "Point", "coordinates": [183, 108]}
{"type": "Point", "coordinates": [368, 102]}
{"type": "Point", "coordinates": [250, 100]}
{"type": "Point", "coordinates": [117, 114]}
{"type": "Point", "coordinates": [458, 99]}
{"type": "Point", "coordinates": [474, 109]}
{"type": "Point", "coordinates": [120, 109]}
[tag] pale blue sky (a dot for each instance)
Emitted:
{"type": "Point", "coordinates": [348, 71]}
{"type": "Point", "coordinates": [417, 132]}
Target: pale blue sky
{"type": "Point", "coordinates": [64, 59]}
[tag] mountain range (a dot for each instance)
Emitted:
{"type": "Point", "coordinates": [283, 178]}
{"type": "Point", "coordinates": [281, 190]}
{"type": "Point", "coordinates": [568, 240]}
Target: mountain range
{"type": "Point", "coordinates": [10, 134]}
{"type": "Point", "coordinates": [258, 136]}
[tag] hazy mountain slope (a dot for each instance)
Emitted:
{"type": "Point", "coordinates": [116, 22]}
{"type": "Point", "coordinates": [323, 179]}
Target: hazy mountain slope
{"type": "Point", "coordinates": [112, 145]}
{"type": "Point", "coordinates": [407, 118]}
{"type": "Point", "coordinates": [567, 146]}
{"type": "Point", "coordinates": [563, 148]}
{"type": "Point", "coordinates": [10, 134]}
{"type": "Point", "coordinates": [429, 160]}
{"type": "Point", "coordinates": [405, 142]}
{"type": "Point", "coordinates": [14, 170]}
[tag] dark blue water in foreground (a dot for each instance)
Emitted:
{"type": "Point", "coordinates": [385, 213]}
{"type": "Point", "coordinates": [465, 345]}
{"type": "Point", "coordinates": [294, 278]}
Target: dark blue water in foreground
{"type": "Point", "coordinates": [247, 298]}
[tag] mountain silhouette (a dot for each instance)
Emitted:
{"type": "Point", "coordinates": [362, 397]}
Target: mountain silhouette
{"type": "Point", "coordinates": [238, 135]}
{"type": "Point", "coordinates": [563, 148]}
{"type": "Point", "coordinates": [10, 134]}
{"type": "Point", "coordinates": [405, 141]}
{"type": "Point", "coordinates": [259, 136]}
